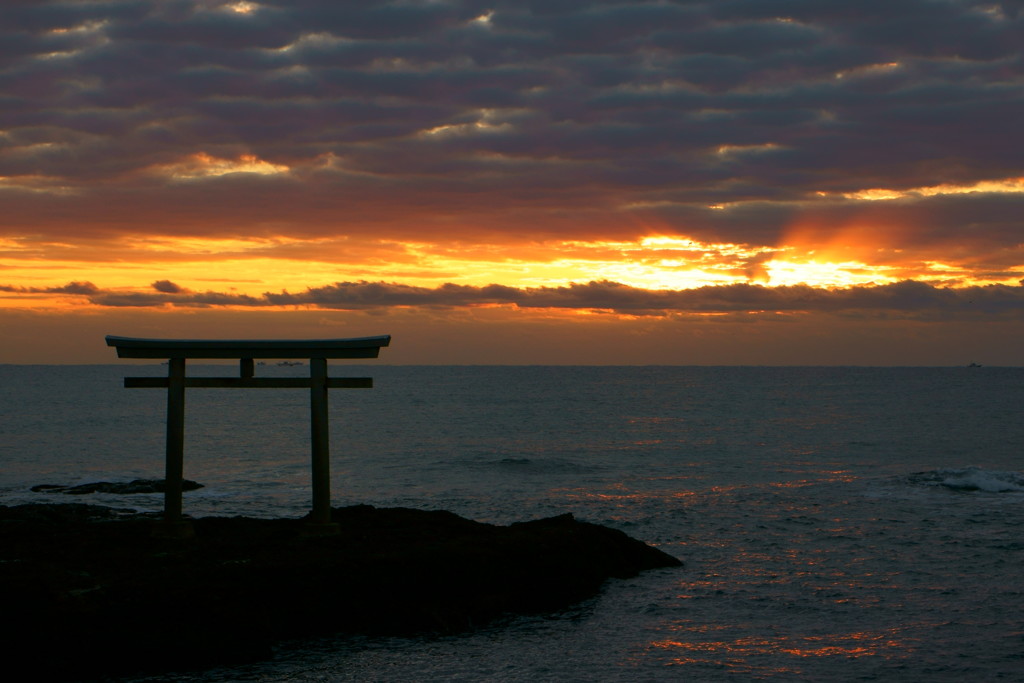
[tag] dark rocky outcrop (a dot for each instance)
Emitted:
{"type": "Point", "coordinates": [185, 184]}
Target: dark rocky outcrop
{"type": "Point", "coordinates": [87, 590]}
{"type": "Point", "coordinates": [134, 486]}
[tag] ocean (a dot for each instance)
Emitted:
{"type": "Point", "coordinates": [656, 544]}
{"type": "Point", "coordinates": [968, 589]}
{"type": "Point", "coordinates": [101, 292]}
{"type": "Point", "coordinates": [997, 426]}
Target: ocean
{"type": "Point", "coordinates": [836, 523]}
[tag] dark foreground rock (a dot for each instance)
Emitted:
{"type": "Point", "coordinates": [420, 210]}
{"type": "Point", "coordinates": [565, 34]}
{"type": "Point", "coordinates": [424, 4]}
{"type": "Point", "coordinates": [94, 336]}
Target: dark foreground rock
{"type": "Point", "coordinates": [87, 591]}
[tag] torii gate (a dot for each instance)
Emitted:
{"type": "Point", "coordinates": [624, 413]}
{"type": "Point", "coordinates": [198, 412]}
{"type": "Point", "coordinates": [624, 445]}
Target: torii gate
{"type": "Point", "coordinates": [177, 351]}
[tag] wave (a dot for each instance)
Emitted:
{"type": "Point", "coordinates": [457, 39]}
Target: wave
{"type": "Point", "coordinates": [971, 479]}
{"type": "Point", "coordinates": [522, 465]}
{"type": "Point", "coordinates": [546, 465]}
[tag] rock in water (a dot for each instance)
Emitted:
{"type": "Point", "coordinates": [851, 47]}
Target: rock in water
{"type": "Point", "coordinates": [114, 600]}
{"type": "Point", "coordinates": [135, 486]}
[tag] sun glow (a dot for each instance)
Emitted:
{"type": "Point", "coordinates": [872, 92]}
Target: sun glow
{"type": "Point", "coordinates": [210, 246]}
{"type": "Point", "coordinates": [36, 273]}
{"type": "Point", "coordinates": [826, 274]}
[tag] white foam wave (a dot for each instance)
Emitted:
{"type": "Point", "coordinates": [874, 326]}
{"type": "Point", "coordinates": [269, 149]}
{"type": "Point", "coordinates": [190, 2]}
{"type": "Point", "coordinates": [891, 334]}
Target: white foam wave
{"type": "Point", "coordinates": [971, 479]}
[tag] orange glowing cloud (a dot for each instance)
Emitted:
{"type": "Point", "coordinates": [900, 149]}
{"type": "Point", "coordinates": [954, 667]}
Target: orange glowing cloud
{"type": "Point", "coordinates": [999, 186]}
{"type": "Point", "coordinates": [202, 165]}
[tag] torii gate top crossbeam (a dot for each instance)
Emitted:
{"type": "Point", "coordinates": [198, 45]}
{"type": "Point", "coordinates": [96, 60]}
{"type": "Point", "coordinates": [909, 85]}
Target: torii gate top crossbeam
{"type": "Point", "coordinates": [355, 347]}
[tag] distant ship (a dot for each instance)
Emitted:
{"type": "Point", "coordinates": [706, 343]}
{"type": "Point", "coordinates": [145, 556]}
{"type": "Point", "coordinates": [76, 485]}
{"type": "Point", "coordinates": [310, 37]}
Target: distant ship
{"type": "Point", "coordinates": [974, 365]}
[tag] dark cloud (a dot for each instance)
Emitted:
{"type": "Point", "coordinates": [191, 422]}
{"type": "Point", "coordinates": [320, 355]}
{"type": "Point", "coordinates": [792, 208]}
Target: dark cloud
{"type": "Point", "coordinates": [80, 288]}
{"type": "Point", "coordinates": [524, 118]}
{"type": "Point", "coordinates": [899, 300]}
{"type": "Point", "coordinates": [168, 287]}
{"type": "Point", "coordinates": [904, 296]}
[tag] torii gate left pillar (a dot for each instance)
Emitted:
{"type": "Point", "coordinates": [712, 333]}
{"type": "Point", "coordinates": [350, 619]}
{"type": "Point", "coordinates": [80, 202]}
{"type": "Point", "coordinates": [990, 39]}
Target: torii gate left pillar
{"type": "Point", "coordinates": [317, 351]}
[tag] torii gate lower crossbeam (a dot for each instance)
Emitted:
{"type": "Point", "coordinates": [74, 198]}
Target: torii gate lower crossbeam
{"type": "Point", "coordinates": [177, 351]}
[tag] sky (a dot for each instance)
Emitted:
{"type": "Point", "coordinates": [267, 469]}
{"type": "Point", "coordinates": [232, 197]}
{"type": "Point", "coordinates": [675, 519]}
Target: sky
{"type": "Point", "coordinates": [723, 182]}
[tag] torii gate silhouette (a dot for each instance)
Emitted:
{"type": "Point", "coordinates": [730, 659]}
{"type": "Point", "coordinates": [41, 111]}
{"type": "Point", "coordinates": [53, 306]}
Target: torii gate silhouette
{"type": "Point", "coordinates": [318, 351]}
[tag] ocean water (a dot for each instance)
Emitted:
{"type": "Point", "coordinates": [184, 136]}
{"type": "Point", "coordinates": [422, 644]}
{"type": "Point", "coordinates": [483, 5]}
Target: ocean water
{"type": "Point", "coordinates": [836, 523]}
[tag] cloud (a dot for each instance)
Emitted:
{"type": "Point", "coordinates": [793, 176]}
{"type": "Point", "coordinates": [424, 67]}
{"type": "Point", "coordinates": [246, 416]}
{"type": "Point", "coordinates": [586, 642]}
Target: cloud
{"type": "Point", "coordinates": [168, 287]}
{"type": "Point", "coordinates": [314, 118]}
{"type": "Point", "coordinates": [905, 299]}
{"type": "Point", "coordinates": [79, 288]}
